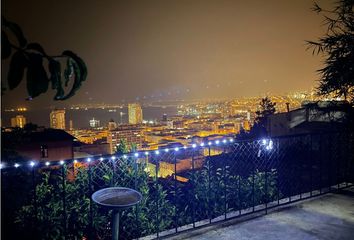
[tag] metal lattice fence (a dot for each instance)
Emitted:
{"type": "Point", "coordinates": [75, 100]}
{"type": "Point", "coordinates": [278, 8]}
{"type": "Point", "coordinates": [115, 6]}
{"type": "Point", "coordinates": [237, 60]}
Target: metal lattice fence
{"type": "Point", "coordinates": [182, 188]}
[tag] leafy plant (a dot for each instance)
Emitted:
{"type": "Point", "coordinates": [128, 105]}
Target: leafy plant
{"type": "Point", "coordinates": [266, 109]}
{"type": "Point", "coordinates": [46, 215]}
{"type": "Point", "coordinates": [210, 195]}
{"type": "Point", "coordinates": [337, 47]}
{"type": "Point", "coordinates": [209, 192]}
{"type": "Point", "coordinates": [31, 58]}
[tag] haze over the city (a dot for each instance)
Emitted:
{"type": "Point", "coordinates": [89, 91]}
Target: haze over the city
{"type": "Point", "coordinates": [174, 49]}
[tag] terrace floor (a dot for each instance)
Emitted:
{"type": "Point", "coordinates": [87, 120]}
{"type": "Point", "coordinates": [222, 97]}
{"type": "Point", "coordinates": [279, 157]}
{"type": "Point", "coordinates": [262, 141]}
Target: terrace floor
{"type": "Point", "coordinates": [329, 216]}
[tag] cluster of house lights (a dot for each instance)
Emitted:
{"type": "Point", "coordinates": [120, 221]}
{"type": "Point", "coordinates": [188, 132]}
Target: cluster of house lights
{"type": "Point", "coordinates": [266, 143]}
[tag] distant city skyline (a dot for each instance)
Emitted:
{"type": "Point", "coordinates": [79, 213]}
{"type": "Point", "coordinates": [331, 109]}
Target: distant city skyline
{"type": "Point", "coordinates": [26, 105]}
{"type": "Point", "coordinates": [162, 50]}
{"type": "Point", "coordinates": [80, 114]}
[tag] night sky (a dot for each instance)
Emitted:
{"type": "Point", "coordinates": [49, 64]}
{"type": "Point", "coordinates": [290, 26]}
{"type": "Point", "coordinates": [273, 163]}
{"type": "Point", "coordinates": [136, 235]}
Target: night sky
{"type": "Point", "coordinates": [174, 49]}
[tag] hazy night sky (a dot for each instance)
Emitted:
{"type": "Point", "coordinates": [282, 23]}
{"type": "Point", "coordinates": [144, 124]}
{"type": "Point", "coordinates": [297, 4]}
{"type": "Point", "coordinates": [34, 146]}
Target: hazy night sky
{"type": "Point", "coordinates": [190, 49]}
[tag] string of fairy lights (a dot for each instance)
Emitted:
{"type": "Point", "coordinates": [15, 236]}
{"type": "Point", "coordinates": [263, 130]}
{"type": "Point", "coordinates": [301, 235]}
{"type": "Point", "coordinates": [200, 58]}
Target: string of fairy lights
{"type": "Point", "coordinates": [267, 144]}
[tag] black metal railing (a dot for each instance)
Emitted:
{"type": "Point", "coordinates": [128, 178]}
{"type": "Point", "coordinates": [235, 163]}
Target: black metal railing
{"type": "Point", "coordinates": [182, 188]}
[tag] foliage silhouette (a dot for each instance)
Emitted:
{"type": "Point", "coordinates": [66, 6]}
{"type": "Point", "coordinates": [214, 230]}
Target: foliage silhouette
{"type": "Point", "coordinates": [259, 128]}
{"type": "Point", "coordinates": [32, 59]}
{"type": "Point", "coordinates": [337, 47]}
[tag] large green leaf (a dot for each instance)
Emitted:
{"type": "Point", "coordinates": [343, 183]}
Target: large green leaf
{"type": "Point", "coordinates": [55, 78]}
{"type": "Point", "coordinates": [17, 66]}
{"type": "Point", "coordinates": [37, 80]}
{"type": "Point", "coordinates": [5, 46]}
{"type": "Point", "coordinates": [16, 30]}
{"type": "Point", "coordinates": [37, 47]}
{"type": "Point", "coordinates": [69, 71]}
{"type": "Point", "coordinates": [80, 63]}
{"type": "Point", "coordinates": [76, 70]}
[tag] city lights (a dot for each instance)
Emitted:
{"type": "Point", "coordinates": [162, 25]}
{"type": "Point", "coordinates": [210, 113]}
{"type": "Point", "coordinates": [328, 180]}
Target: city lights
{"type": "Point", "coordinates": [177, 120]}
{"type": "Point", "coordinates": [266, 144]}
{"type": "Point", "coordinates": [271, 144]}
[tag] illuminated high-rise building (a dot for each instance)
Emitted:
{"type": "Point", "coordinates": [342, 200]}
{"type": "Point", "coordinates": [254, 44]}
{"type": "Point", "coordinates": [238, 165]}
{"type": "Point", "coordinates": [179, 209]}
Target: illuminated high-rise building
{"type": "Point", "coordinates": [135, 113]}
{"type": "Point", "coordinates": [71, 125]}
{"type": "Point", "coordinates": [131, 134]}
{"type": "Point", "coordinates": [94, 123]}
{"type": "Point", "coordinates": [57, 119]}
{"type": "Point", "coordinates": [18, 121]}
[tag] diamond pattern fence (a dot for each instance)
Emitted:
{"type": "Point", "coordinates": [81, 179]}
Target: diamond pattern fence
{"type": "Point", "coordinates": [182, 188]}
